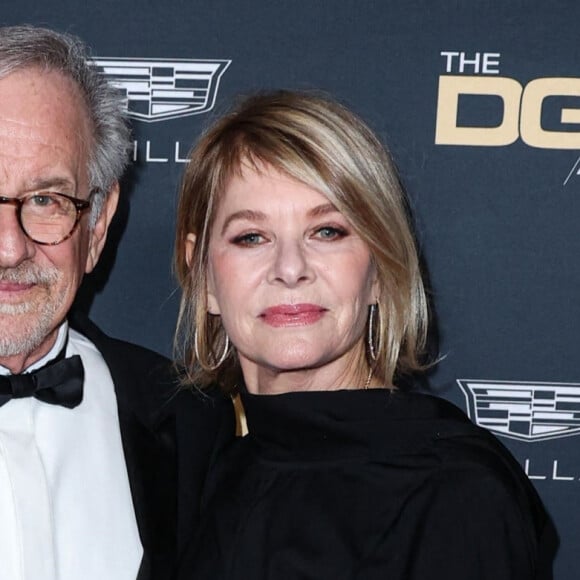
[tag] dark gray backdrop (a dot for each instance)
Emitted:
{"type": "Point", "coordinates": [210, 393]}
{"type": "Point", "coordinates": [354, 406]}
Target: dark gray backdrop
{"type": "Point", "coordinates": [497, 223]}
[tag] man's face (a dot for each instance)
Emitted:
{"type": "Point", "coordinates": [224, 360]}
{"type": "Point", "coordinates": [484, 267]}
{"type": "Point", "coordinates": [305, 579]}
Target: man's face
{"type": "Point", "coordinates": [45, 140]}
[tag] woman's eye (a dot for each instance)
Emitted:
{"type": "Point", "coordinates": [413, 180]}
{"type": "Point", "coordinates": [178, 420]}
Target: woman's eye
{"type": "Point", "coordinates": [330, 233]}
{"type": "Point", "coordinates": [249, 239]}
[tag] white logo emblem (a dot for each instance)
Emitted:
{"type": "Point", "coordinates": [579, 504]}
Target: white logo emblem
{"type": "Point", "coordinates": [527, 411]}
{"type": "Point", "coordinates": [157, 89]}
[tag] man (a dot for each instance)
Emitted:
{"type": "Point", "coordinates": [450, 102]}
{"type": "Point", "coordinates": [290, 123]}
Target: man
{"type": "Point", "coordinates": [100, 477]}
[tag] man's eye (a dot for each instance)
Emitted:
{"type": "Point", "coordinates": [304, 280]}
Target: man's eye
{"type": "Point", "coordinates": [42, 200]}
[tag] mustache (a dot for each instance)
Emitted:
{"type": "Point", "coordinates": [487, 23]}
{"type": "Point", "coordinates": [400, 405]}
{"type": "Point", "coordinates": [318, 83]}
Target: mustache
{"type": "Point", "coordinates": [28, 273]}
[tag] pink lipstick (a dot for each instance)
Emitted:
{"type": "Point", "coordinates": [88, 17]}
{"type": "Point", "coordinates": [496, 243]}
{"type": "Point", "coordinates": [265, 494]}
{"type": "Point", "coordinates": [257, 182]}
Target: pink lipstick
{"type": "Point", "coordinates": [292, 314]}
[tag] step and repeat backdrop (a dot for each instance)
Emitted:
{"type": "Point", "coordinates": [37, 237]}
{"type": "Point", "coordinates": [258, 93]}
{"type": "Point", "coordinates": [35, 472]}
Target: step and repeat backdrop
{"type": "Point", "coordinates": [479, 103]}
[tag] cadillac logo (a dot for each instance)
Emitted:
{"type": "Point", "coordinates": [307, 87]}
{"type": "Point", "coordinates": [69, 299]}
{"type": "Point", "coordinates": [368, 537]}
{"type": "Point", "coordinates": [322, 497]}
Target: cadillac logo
{"type": "Point", "coordinates": [527, 411]}
{"type": "Point", "coordinates": [157, 89]}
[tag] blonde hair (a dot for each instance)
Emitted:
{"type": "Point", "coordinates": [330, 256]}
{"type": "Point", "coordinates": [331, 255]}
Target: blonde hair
{"type": "Point", "coordinates": [323, 145]}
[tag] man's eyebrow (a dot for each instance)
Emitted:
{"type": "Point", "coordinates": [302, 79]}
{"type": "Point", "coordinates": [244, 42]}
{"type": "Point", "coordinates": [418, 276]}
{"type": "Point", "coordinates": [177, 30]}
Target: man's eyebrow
{"type": "Point", "coordinates": [51, 183]}
{"type": "Point", "coordinates": [244, 214]}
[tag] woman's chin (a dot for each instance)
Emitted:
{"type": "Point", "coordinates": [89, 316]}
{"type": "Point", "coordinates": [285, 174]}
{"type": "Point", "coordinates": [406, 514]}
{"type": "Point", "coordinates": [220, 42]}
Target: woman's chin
{"type": "Point", "coordinates": [295, 358]}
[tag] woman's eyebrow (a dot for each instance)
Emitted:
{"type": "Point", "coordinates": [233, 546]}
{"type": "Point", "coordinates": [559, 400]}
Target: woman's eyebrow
{"type": "Point", "coordinates": [254, 215]}
{"type": "Point", "coordinates": [321, 210]}
{"type": "Point", "coordinates": [244, 214]}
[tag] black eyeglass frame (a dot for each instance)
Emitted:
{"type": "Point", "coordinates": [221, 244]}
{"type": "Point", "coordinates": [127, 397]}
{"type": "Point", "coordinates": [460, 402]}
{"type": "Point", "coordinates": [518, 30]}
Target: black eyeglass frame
{"type": "Point", "coordinates": [81, 205]}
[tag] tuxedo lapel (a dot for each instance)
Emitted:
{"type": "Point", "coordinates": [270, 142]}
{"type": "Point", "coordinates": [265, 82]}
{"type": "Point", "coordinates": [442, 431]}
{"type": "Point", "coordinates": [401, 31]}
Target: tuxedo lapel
{"type": "Point", "coordinates": [143, 384]}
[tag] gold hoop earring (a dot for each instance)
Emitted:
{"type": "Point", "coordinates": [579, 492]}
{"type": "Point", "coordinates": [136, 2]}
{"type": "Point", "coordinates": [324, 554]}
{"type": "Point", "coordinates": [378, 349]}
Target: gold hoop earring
{"type": "Point", "coordinates": [222, 358]}
{"type": "Point", "coordinates": [373, 312]}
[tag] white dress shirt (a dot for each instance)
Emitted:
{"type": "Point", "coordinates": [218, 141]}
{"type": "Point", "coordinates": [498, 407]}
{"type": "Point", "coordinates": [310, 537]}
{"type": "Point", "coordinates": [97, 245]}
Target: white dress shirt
{"type": "Point", "coordinates": [66, 511]}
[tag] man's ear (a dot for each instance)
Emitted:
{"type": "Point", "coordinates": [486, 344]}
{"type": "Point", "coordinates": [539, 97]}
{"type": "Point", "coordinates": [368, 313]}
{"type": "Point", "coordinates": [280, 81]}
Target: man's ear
{"type": "Point", "coordinates": [212, 303]}
{"type": "Point", "coordinates": [98, 234]}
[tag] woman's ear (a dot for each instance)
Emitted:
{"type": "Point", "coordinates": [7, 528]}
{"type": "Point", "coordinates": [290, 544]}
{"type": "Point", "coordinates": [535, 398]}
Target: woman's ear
{"type": "Point", "coordinates": [189, 247]}
{"type": "Point", "coordinates": [212, 304]}
{"type": "Point", "coordinates": [375, 293]}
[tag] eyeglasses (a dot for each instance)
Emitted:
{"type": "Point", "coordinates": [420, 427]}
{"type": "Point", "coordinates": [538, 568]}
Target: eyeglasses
{"type": "Point", "coordinates": [46, 217]}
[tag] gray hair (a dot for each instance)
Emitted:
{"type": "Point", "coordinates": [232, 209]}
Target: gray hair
{"type": "Point", "coordinates": [29, 46]}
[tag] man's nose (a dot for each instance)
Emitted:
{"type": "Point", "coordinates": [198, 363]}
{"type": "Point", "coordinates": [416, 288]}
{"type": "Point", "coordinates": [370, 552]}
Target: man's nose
{"type": "Point", "coordinates": [291, 265]}
{"type": "Point", "coordinates": [15, 247]}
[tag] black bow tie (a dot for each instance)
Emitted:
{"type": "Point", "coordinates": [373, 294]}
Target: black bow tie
{"type": "Point", "coordinates": [60, 382]}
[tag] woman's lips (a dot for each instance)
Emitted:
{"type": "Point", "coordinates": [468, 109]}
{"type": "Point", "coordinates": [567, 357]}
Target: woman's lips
{"type": "Point", "coordinates": [292, 314]}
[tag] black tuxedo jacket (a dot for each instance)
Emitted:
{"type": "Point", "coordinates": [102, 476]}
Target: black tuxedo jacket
{"type": "Point", "coordinates": [170, 438]}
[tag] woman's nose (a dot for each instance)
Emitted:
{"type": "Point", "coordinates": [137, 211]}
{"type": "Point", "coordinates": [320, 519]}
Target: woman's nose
{"type": "Point", "coordinates": [290, 264]}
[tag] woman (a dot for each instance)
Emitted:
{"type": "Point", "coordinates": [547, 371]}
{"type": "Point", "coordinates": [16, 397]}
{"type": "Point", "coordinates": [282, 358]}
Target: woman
{"type": "Point", "coordinates": [302, 291]}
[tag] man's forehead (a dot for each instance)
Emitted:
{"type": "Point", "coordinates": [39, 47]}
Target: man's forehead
{"type": "Point", "coordinates": [43, 91]}
{"type": "Point", "coordinates": [44, 128]}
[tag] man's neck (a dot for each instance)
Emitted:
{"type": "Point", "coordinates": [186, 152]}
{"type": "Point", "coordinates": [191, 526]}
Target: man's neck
{"type": "Point", "coordinates": [47, 350]}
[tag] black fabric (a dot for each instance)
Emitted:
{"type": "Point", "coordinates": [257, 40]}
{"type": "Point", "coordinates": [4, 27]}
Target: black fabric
{"type": "Point", "coordinates": [170, 438]}
{"type": "Point", "coordinates": [60, 382]}
{"type": "Point", "coordinates": [366, 485]}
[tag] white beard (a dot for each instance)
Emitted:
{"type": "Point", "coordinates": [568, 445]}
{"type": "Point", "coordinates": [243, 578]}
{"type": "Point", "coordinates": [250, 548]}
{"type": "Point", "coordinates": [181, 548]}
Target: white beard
{"type": "Point", "coordinates": [26, 325]}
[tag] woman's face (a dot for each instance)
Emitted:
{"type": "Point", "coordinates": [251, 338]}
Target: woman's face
{"type": "Point", "coordinates": [292, 282]}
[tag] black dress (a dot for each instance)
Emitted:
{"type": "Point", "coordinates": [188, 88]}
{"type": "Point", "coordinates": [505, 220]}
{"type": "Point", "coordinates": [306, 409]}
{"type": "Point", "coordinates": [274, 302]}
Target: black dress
{"type": "Point", "coordinates": [365, 485]}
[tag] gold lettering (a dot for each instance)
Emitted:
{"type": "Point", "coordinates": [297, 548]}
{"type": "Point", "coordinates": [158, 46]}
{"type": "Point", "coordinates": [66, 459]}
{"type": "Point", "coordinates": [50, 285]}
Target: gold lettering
{"type": "Point", "coordinates": [522, 112]}
{"type": "Point", "coordinates": [447, 132]}
{"type": "Point", "coordinates": [531, 129]}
